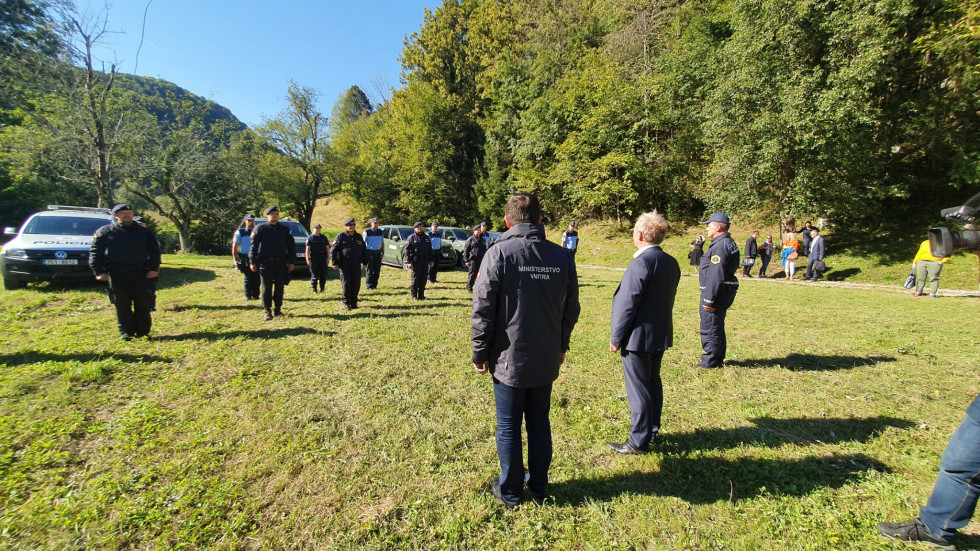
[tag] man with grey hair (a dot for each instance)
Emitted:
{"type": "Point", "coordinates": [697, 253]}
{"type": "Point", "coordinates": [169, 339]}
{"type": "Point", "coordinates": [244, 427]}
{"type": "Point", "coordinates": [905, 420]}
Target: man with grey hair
{"type": "Point", "coordinates": [642, 329]}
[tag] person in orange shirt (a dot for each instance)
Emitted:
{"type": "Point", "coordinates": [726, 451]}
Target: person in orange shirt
{"type": "Point", "coordinates": [927, 266]}
{"type": "Point", "coordinates": [791, 247]}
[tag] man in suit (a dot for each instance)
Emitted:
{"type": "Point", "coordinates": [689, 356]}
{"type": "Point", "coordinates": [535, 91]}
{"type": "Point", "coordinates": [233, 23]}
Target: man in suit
{"type": "Point", "coordinates": [817, 251]}
{"type": "Point", "coordinates": [751, 251]}
{"type": "Point", "coordinates": [642, 329]}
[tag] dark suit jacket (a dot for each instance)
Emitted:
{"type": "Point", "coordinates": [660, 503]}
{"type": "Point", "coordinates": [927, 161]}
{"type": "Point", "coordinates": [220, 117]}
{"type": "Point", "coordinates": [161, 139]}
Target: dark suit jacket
{"type": "Point", "coordinates": [818, 249]}
{"type": "Point", "coordinates": [643, 304]}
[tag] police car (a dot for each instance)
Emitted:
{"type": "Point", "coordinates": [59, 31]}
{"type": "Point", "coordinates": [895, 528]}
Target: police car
{"type": "Point", "coordinates": [394, 238]}
{"type": "Point", "coordinates": [51, 244]}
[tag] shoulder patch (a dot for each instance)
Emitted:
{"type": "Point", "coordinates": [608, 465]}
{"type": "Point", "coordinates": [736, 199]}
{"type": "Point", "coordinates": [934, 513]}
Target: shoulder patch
{"type": "Point", "coordinates": [715, 259]}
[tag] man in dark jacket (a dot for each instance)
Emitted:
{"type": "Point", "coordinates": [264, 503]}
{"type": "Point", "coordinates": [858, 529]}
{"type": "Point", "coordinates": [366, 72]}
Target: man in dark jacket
{"type": "Point", "coordinates": [348, 254]}
{"type": "Point", "coordinates": [241, 242]}
{"type": "Point", "coordinates": [751, 251]}
{"type": "Point", "coordinates": [818, 250]}
{"type": "Point", "coordinates": [718, 288]}
{"type": "Point", "coordinates": [127, 255]}
{"type": "Point", "coordinates": [317, 255]}
{"type": "Point", "coordinates": [271, 254]}
{"type": "Point", "coordinates": [418, 254]}
{"type": "Point", "coordinates": [643, 328]}
{"type": "Point", "coordinates": [525, 305]}
{"type": "Point", "coordinates": [473, 252]}
{"type": "Point", "coordinates": [373, 242]}
{"type": "Point", "coordinates": [807, 238]}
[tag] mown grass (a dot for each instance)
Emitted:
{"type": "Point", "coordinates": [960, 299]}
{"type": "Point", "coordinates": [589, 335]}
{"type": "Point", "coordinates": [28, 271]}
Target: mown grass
{"type": "Point", "coordinates": [327, 429]}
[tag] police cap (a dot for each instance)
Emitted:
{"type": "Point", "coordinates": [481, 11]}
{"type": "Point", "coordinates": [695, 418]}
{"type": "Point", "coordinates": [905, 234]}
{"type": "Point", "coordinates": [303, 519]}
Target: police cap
{"type": "Point", "coordinates": [249, 217]}
{"type": "Point", "coordinates": [418, 225]}
{"type": "Point", "coordinates": [119, 207]}
{"type": "Point", "coordinates": [272, 209]}
{"type": "Point", "coordinates": [349, 222]}
{"type": "Point", "coordinates": [719, 217]}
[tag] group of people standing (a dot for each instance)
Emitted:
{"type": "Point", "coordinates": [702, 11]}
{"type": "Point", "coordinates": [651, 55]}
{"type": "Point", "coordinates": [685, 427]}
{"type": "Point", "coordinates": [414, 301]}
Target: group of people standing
{"type": "Point", "coordinates": [813, 247]}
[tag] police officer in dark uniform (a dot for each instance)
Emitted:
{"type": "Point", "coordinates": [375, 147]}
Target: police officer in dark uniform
{"type": "Point", "coordinates": [718, 288]}
{"type": "Point", "coordinates": [127, 255]}
{"type": "Point", "coordinates": [436, 242]}
{"type": "Point", "coordinates": [348, 254]}
{"type": "Point", "coordinates": [473, 252]}
{"type": "Point", "coordinates": [373, 242]}
{"type": "Point", "coordinates": [418, 253]}
{"type": "Point", "coordinates": [271, 254]}
{"type": "Point", "coordinates": [317, 255]}
{"type": "Point", "coordinates": [241, 243]}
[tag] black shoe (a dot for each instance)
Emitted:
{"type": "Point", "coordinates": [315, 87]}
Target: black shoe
{"type": "Point", "coordinates": [625, 448]}
{"type": "Point", "coordinates": [701, 366]}
{"type": "Point", "coordinates": [495, 490]}
{"type": "Point", "coordinates": [278, 313]}
{"type": "Point", "coordinates": [267, 316]}
{"type": "Point", "coordinates": [913, 530]}
{"type": "Point", "coordinates": [125, 337]}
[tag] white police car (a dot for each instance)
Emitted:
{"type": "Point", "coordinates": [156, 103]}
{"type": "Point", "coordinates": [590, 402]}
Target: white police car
{"type": "Point", "coordinates": [51, 244]}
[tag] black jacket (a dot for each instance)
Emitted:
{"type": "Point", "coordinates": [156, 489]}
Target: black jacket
{"type": "Point", "coordinates": [525, 305]}
{"type": "Point", "coordinates": [717, 272]}
{"type": "Point", "coordinates": [418, 249]}
{"type": "Point", "coordinates": [643, 305]}
{"type": "Point", "coordinates": [318, 246]}
{"type": "Point", "coordinates": [271, 243]}
{"type": "Point", "coordinates": [120, 247]}
{"type": "Point", "coordinates": [348, 251]}
{"type": "Point", "coordinates": [474, 249]}
{"type": "Point", "coordinates": [751, 248]}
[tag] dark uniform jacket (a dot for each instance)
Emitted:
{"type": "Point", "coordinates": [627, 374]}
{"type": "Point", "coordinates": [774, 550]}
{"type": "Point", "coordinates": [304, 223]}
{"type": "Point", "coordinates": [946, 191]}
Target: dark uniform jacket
{"type": "Point", "coordinates": [418, 248]}
{"type": "Point", "coordinates": [525, 305]}
{"type": "Point", "coordinates": [117, 247]}
{"type": "Point", "coordinates": [643, 305]}
{"type": "Point", "coordinates": [348, 251]}
{"type": "Point", "coordinates": [474, 249]}
{"type": "Point", "coordinates": [318, 246]}
{"type": "Point", "coordinates": [271, 243]}
{"type": "Point", "coordinates": [717, 272]}
{"type": "Point", "coordinates": [751, 248]}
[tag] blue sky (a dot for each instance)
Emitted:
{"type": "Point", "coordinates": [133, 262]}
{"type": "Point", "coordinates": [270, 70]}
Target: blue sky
{"type": "Point", "coordinates": [243, 53]}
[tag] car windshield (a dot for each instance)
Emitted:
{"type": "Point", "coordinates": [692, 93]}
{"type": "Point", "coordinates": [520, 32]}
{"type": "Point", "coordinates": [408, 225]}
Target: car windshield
{"type": "Point", "coordinates": [405, 232]}
{"type": "Point", "coordinates": [64, 225]}
{"type": "Point", "coordinates": [296, 229]}
{"type": "Point", "coordinates": [460, 234]}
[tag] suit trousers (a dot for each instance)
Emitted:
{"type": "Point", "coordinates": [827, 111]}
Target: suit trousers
{"type": "Point", "coordinates": [132, 301]}
{"type": "Point", "coordinates": [714, 344]}
{"type": "Point", "coordinates": [645, 393]}
{"type": "Point", "coordinates": [533, 406]}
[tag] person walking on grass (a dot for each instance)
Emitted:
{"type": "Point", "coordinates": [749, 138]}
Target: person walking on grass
{"type": "Point", "coordinates": [347, 255]}
{"type": "Point", "coordinates": [317, 256]}
{"type": "Point", "coordinates": [927, 267]}
{"type": "Point", "coordinates": [271, 254]}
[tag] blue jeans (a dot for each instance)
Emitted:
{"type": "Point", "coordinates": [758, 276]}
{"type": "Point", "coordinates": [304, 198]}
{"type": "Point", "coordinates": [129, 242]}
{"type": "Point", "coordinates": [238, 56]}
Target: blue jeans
{"type": "Point", "coordinates": [954, 497]}
{"type": "Point", "coordinates": [533, 406]}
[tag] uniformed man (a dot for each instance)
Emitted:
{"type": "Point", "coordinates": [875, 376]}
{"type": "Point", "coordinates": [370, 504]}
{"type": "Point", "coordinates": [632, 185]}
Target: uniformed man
{"type": "Point", "coordinates": [569, 240]}
{"type": "Point", "coordinates": [127, 255]}
{"type": "Point", "coordinates": [271, 255]}
{"type": "Point", "coordinates": [484, 229]}
{"type": "Point", "coordinates": [473, 252]}
{"type": "Point", "coordinates": [240, 245]}
{"type": "Point", "coordinates": [348, 254]}
{"type": "Point", "coordinates": [718, 288]}
{"type": "Point", "coordinates": [151, 284]}
{"type": "Point", "coordinates": [373, 242]}
{"type": "Point", "coordinates": [418, 253]}
{"type": "Point", "coordinates": [317, 255]}
{"type": "Point", "coordinates": [436, 243]}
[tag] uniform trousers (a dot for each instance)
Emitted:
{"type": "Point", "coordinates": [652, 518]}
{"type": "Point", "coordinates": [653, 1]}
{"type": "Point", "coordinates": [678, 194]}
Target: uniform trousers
{"type": "Point", "coordinates": [318, 272]}
{"type": "Point", "coordinates": [274, 276]}
{"type": "Point", "coordinates": [434, 269]}
{"type": "Point", "coordinates": [533, 406]}
{"type": "Point", "coordinates": [251, 281]}
{"type": "Point", "coordinates": [471, 277]}
{"type": "Point", "coordinates": [132, 300]}
{"type": "Point", "coordinates": [714, 343]}
{"type": "Point", "coordinates": [954, 497]}
{"type": "Point", "coordinates": [420, 271]}
{"type": "Point", "coordinates": [373, 271]}
{"type": "Point", "coordinates": [645, 393]}
{"type": "Point", "coordinates": [350, 285]}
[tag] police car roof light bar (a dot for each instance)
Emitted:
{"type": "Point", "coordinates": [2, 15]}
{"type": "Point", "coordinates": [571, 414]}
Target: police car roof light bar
{"type": "Point", "coordinates": [80, 209]}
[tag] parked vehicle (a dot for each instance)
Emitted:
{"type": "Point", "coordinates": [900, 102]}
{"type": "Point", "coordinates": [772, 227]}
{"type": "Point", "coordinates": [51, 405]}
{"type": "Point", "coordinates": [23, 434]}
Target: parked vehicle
{"type": "Point", "coordinates": [51, 244]}
{"type": "Point", "coordinates": [394, 248]}
{"type": "Point", "coordinates": [456, 237]}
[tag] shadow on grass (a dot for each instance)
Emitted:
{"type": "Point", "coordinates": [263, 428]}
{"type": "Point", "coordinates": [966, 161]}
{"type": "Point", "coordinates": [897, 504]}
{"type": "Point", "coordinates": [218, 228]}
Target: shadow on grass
{"type": "Point", "coordinates": [702, 480]}
{"type": "Point", "coordinates": [35, 356]}
{"type": "Point", "coordinates": [362, 313]}
{"type": "Point", "coordinates": [812, 362]}
{"type": "Point", "coordinates": [841, 275]}
{"type": "Point", "coordinates": [270, 333]}
{"type": "Point", "coordinates": [176, 277]}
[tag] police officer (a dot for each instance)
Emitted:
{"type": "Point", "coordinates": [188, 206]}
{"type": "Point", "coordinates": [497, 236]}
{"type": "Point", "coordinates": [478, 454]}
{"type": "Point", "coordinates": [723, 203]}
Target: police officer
{"type": "Point", "coordinates": [240, 244]}
{"type": "Point", "coordinates": [436, 243]}
{"type": "Point", "coordinates": [373, 241]}
{"type": "Point", "coordinates": [127, 255]}
{"type": "Point", "coordinates": [271, 254]}
{"type": "Point", "coordinates": [418, 253]}
{"type": "Point", "coordinates": [718, 288]}
{"type": "Point", "coordinates": [151, 284]}
{"type": "Point", "coordinates": [569, 240]}
{"type": "Point", "coordinates": [348, 253]}
{"type": "Point", "coordinates": [317, 255]}
{"type": "Point", "coordinates": [473, 252]}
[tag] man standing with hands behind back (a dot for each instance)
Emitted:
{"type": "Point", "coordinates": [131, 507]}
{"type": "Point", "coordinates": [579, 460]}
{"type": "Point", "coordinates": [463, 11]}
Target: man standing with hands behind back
{"type": "Point", "coordinates": [718, 288]}
{"type": "Point", "coordinates": [643, 328]}
{"type": "Point", "coordinates": [525, 305]}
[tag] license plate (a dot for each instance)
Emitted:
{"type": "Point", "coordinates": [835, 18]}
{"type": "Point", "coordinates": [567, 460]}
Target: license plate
{"type": "Point", "coordinates": [59, 262]}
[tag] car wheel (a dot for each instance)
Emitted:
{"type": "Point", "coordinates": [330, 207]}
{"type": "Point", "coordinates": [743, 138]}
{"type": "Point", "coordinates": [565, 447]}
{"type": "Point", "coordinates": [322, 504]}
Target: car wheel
{"type": "Point", "coordinates": [12, 283]}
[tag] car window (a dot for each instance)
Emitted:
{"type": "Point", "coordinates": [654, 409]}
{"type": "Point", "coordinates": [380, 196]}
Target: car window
{"type": "Point", "coordinates": [405, 232]}
{"type": "Point", "coordinates": [64, 225]}
{"type": "Point", "coordinates": [296, 229]}
{"type": "Point", "coordinates": [460, 234]}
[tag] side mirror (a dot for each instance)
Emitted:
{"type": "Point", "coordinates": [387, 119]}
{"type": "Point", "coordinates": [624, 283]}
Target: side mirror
{"type": "Point", "coordinates": [9, 230]}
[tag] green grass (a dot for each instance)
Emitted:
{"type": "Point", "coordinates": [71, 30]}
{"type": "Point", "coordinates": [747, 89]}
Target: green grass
{"type": "Point", "coordinates": [325, 429]}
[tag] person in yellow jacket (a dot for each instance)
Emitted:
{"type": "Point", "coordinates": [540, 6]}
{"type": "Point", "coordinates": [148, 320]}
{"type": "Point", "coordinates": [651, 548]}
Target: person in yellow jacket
{"type": "Point", "coordinates": [927, 266]}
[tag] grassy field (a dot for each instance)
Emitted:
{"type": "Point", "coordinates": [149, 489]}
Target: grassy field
{"type": "Point", "coordinates": [326, 429]}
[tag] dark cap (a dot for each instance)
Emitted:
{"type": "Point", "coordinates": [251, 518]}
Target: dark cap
{"type": "Point", "coordinates": [349, 222]}
{"type": "Point", "coordinates": [119, 207]}
{"type": "Point", "coordinates": [418, 225]}
{"type": "Point", "coordinates": [571, 224]}
{"type": "Point", "coordinates": [435, 224]}
{"type": "Point", "coordinates": [478, 226]}
{"type": "Point", "coordinates": [719, 217]}
{"type": "Point", "coordinates": [373, 220]}
{"type": "Point", "coordinates": [317, 225]}
{"type": "Point", "coordinates": [271, 209]}
{"type": "Point", "coordinates": [249, 217]}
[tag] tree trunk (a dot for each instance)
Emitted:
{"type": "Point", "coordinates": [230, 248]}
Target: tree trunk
{"type": "Point", "coordinates": [185, 239]}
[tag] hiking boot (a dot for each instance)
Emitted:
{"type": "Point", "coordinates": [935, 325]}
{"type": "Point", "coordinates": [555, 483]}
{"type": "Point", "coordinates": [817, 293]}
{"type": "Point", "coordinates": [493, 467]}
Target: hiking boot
{"type": "Point", "coordinates": [913, 530]}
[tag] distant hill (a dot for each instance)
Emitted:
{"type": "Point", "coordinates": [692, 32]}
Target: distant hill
{"type": "Point", "coordinates": [162, 93]}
